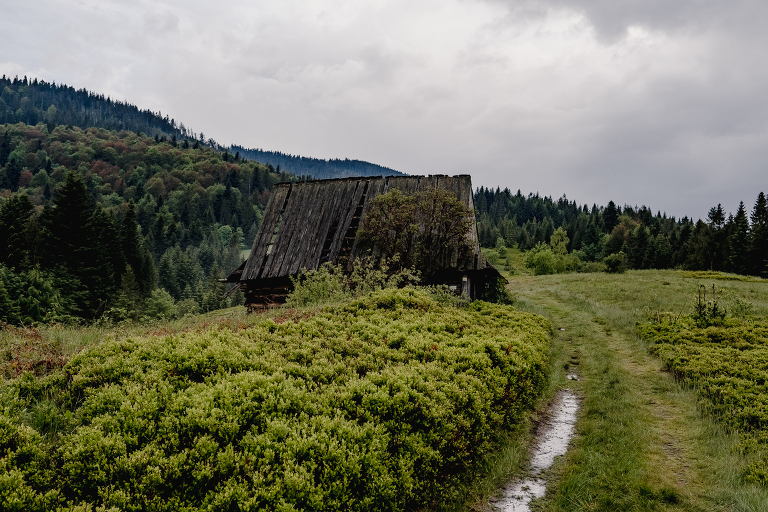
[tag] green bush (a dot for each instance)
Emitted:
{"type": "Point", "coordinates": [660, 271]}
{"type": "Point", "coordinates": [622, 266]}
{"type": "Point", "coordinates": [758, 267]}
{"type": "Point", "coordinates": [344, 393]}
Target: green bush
{"type": "Point", "coordinates": [542, 260]}
{"type": "Point", "coordinates": [29, 297]}
{"type": "Point", "coordinates": [615, 263]}
{"type": "Point", "coordinates": [383, 403]}
{"type": "Point", "coordinates": [594, 266]}
{"type": "Point", "coordinates": [330, 284]}
{"type": "Point", "coordinates": [160, 305]}
{"type": "Point", "coordinates": [726, 364]}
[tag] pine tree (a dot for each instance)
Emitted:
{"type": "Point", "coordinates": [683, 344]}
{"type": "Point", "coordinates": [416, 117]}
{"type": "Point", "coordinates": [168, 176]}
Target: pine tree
{"type": "Point", "coordinates": [758, 253]}
{"type": "Point", "coordinates": [80, 243]}
{"type": "Point", "coordinates": [134, 252]}
{"type": "Point", "coordinates": [638, 247]}
{"type": "Point", "coordinates": [738, 242]}
{"type": "Point", "coordinates": [15, 214]}
{"type": "Point", "coordinates": [699, 247]}
{"type": "Point", "coordinates": [610, 216]}
{"type": "Point", "coordinates": [719, 249]}
{"type": "Point", "coordinates": [129, 299]}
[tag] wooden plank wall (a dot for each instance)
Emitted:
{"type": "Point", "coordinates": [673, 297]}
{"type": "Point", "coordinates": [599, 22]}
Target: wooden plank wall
{"type": "Point", "coordinates": [303, 214]}
{"type": "Point", "coordinates": [256, 259]}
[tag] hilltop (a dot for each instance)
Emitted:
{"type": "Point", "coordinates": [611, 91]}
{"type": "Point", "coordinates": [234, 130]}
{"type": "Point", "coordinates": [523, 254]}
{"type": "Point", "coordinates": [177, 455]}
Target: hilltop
{"type": "Point", "coordinates": [37, 101]}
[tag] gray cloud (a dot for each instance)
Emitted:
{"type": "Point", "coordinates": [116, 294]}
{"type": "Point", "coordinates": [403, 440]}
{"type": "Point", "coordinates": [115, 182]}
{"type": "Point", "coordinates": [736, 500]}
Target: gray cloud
{"type": "Point", "coordinates": [647, 102]}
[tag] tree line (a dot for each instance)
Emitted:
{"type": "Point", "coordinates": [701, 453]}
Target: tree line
{"type": "Point", "coordinates": [726, 242]}
{"type": "Point", "coordinates": [37, 101]}
{"type": "Point", "coordinates": [33, 101]}
{"type": "Point", "coordinates": [315, 167]}
{"type": "Point", "coordinates": [96, 222]}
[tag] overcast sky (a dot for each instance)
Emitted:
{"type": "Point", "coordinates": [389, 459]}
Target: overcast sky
{"type": "Point", "coordinates": [655, 102]}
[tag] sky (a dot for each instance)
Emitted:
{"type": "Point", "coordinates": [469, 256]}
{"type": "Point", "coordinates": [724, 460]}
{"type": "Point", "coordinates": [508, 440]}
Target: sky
{"type": "Point", "coordinates": [643, 102]}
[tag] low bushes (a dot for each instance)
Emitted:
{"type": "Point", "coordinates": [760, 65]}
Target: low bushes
{"type": "Point", "coordinates": [381, 403]}
{"type": "Point", "coordinates": [727, 361]}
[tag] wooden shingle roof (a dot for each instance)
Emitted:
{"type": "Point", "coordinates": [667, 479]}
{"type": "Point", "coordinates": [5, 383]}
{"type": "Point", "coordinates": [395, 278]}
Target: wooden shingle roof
{"type": "Point", "coordinates": [308, 223]}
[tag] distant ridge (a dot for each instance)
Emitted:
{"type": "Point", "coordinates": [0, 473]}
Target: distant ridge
{"type": "Point", "coordinates": [315, 167]}
{"type": "Point", "coordinates": [33, 101]}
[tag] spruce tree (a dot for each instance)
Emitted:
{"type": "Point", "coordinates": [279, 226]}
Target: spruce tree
{"type": "Point", "coordinates": [610, 216]}
{"type": "Point", "coordinates": [134, 252]}
{"type": "Point", "coordinates": [719, 249]}
{"type": "Point", "coordinates": [758, 253]}
{"type": "Point", "coordinates": [15, 214]}
{"type": "Point", "coordinates": [81, 243]}
{"type": "Point", "coordinates": [738, 242]}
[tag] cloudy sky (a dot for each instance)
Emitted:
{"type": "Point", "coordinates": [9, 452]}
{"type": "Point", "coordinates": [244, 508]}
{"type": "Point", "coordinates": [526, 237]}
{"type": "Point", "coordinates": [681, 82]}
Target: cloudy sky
{"type": "Point", "coordinates": [639, 101]}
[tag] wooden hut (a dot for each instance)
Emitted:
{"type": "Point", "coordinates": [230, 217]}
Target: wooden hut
{"type": "Point", "coordinates": [309, 223]}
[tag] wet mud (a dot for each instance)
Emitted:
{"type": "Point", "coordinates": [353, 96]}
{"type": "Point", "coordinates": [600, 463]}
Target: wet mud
{"type": "Point", "coordinates": [552, 440]}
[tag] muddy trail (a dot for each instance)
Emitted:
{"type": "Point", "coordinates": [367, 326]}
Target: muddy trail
{"type": "Point", "coordinates": [553, 436]}
{"type": "Point", "coordinates": [639, 442]}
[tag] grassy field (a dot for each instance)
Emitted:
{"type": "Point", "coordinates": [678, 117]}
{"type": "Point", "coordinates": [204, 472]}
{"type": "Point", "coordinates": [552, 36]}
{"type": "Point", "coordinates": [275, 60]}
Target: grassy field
{"type": "Point", "coordinates": [642, 441]}
{"type": "Point", "coordinates": [645, 440]}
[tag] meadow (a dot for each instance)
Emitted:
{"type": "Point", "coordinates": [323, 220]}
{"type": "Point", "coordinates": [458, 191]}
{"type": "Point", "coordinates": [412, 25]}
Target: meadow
{"type": "Point", "coordinates": [652, 433]}
{"type": "Point", "coordinates": [401, 401]}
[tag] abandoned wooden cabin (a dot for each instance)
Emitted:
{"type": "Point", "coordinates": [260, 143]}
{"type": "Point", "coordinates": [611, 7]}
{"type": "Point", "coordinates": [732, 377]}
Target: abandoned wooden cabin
{"type": "Point", "coordinates": [309, 223]}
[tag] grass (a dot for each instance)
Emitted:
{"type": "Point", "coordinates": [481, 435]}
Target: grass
{"type": "Point", "coordinates": [46, 347]}
{"type": "Point", "coordinates": [642, 443]}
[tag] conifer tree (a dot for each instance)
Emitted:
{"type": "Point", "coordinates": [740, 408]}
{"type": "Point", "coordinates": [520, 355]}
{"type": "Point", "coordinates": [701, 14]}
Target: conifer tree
{"type": "Point", "coordinates": [719, 242]}
{"type": "Point", "coordinates": [129, 299]}
{"type": "Point", "coordinates": [15, 214]}
{"type": "Point", "coordinates": [79, 243]}
{"type": "Point", "coordinates": [610, 216]}
{"type": "Point", "coordinates": [758, 254]}
{"type": "Point", "coordinates": [134, 252]}
{"type": "Point", "coordinates": [738, 242]}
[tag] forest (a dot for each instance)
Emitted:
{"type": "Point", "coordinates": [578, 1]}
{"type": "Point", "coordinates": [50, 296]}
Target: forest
{"type": "Point", "coordinates": [316, 167]}
{"type": "Point", "coordinates": [36, 101]}
{"type": "Point", "coordinates": [725, 242]}
{"type": "Point", "coordinates": [98, 223]}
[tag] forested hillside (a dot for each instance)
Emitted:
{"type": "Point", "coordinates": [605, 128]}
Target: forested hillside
{"type": "Point", "coordinates": [734, 243]}
{"type": "Point", "coordinates": [96, 222]}
{"type": "Point", "coordinates": [315, 167]}
{"type": "Point", "coordinates": [32, 102]}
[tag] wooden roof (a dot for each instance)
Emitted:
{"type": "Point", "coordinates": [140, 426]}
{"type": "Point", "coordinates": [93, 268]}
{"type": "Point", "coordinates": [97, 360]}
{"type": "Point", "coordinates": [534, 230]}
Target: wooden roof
{"type": "Point", "coordinates": [308, 223]}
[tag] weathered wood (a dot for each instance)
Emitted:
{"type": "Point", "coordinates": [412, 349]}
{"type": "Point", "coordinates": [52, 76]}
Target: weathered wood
{"type": "Point", "coordinates": [291, 249]}
{"type": "Point", "coordinates": [261, 242]}
{"type": "Point", "coordinates": [352, 199]}
{"type": "Point", "coordinates": [306, 223]}
{"type": "Point", "coordinates": [315, 215]}
{"type": "Point", "coordinates": [335, 209]}
{"type": "Point", "coordinates": [292, 219]}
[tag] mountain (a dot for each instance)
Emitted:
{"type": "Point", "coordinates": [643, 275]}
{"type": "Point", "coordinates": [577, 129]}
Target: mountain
{"type": "Point", "coordinates": [317, 168]}
{"type": "Point", "coordinates": [36, 101]}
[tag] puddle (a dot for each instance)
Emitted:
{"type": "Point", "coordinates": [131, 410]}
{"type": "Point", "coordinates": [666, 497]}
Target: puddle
{"type": "Point", "coordinates": [552, 441]}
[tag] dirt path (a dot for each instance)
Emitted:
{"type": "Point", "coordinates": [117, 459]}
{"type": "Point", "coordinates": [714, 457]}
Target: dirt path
{"type": "Point", "coordinates": [552, 440]}
{"type": "Point", "coordinates": [641, 443]}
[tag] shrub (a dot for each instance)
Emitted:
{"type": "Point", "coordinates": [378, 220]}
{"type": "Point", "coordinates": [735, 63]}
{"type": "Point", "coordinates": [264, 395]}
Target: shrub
{"type": "Point", "coordinates": [160, 305]}
{"type": "Point", "coordinates": [383, 403]}
{"type": "Point", "coordinates": [724, 361]}
{"type": "Point", "coordinates": [542, 260]}
{"type": "Point", "coordinates": [187, 307]}
{"type": "Point", "coordinates": [498, 293]}
{"type": "Point", "coordinates": [330, 284]}
{"type": "Point", "coordinates": [615, 263]}
{"type": "Point", "coordinates": [594, 266]}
